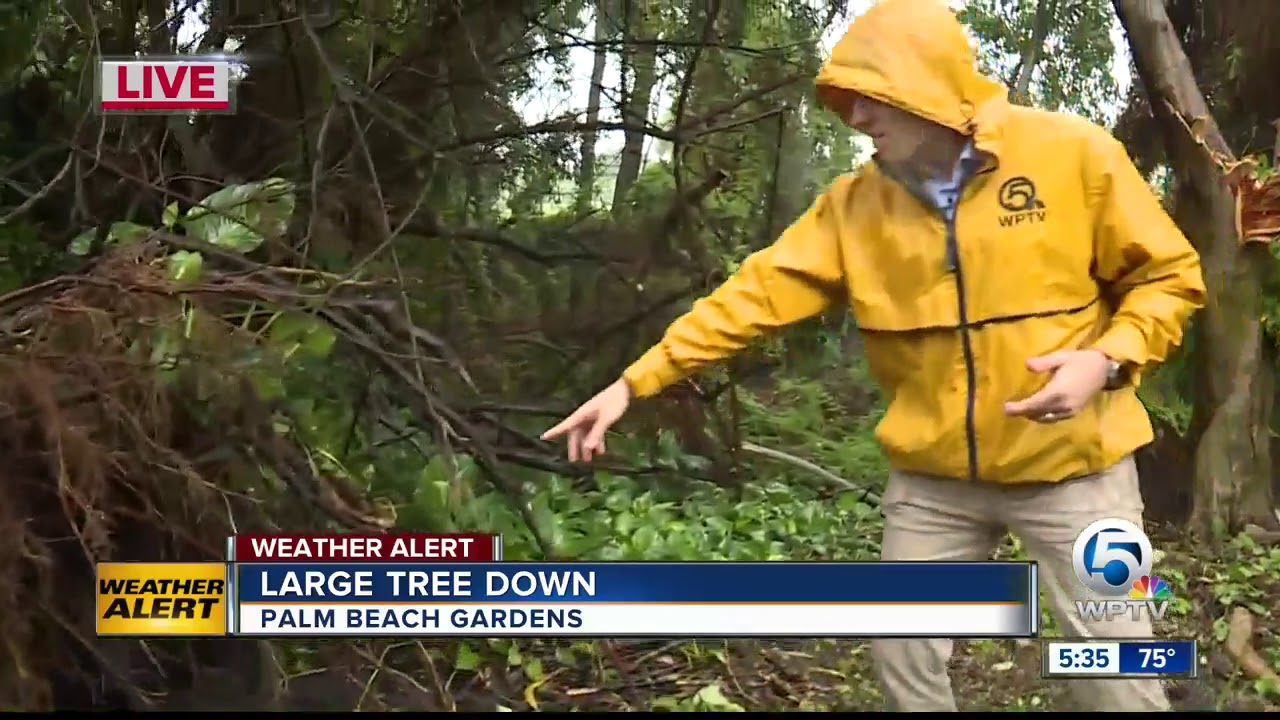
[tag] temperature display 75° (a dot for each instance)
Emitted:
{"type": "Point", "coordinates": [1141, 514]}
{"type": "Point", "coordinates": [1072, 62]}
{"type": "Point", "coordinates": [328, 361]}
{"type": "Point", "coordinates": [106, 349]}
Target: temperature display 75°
{"type": "Point", "coordinates": [1081, 658]}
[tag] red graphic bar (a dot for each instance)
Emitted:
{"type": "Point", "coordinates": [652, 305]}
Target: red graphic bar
{"type": "Point", "coordinates": [165, 104]}
{"type": "Point", "coordinates": [390, 547]}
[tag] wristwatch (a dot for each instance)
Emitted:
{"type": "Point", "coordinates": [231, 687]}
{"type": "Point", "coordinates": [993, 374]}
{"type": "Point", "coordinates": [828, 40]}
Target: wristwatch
{"type": "Point", "coordinates": [1116, 376]}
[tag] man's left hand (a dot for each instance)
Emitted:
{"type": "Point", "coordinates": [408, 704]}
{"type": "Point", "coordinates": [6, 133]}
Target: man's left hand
{"type": "Point", "coordinates": [1078, 375]}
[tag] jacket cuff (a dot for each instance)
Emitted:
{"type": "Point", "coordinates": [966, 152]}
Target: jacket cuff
{"type": "Point", "coordinates": [1124, 344]}
{"type": "Point", "coordinates": [651, 373]}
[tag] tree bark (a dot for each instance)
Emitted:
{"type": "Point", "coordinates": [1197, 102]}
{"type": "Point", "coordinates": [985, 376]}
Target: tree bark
{"type": "Point", "coordinates": [644, 71]}
{"type": "Point", "coordinates": [1229, 426]}
{"type": "Point", "coordinates": [1033, 51]}
{"type": "Point", "coordinates": [604, 29]}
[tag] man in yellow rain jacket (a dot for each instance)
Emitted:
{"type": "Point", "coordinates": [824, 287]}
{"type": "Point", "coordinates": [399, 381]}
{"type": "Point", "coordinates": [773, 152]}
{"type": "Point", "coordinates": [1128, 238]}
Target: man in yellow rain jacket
{"type": "Point", "coordinates": [1012, 275]}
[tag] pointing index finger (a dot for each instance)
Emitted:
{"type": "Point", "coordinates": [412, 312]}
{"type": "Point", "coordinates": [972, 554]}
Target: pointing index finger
{"type": "Point", "coordinates": [561, 428]}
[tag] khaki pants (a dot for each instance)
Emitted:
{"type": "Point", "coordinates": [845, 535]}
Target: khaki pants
{"type": "Point", "coordinates": [947, 520]}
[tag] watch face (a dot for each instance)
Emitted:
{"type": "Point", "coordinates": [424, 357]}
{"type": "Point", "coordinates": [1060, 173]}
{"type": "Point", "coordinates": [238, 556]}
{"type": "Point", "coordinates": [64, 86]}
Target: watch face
{"type": "Point", "coordinates": [1113, 372]}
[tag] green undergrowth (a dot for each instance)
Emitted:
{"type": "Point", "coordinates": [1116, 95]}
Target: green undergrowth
{"type": "Point", "coordinates": [778, 512]}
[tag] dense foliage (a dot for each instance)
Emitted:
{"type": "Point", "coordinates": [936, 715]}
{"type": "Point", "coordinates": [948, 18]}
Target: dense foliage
{"type": "Point", "coordinates": [539, 188]}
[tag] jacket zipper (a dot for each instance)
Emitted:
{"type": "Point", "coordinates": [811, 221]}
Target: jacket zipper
{"type": "Point", "coordinates": [949, 221]}
{"type": "Point", "coordinates": [966, 342]}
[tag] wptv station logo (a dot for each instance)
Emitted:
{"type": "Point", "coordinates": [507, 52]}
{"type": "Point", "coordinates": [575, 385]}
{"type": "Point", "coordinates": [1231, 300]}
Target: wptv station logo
{"type": "Point", "coordinates": [167, 85]}
{"type": "Point", "coordinates": [158, 599]}
{"type": "Point", "coordinates": [1113, 559]}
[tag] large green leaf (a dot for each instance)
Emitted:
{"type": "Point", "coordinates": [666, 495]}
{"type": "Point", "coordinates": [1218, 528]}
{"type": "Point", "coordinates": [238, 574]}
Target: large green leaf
{"type": "Point", "coordinates": [241, 217]}
{"type": "Point", "coordinates": [295, 332]}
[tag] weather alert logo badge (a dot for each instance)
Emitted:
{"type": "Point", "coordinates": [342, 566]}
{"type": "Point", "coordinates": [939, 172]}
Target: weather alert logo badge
{"type": "Point", "coordinates": [1150, 588]}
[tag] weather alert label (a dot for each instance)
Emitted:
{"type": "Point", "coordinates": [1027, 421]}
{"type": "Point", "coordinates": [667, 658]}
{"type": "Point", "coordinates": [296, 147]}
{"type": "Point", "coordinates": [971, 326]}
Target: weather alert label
{"type": "Point", "coordinates": [158, 599]}
{"type": "Point", "coordinates": [168, 85]}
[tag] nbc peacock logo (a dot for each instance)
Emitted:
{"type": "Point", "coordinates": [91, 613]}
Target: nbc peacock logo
{"type": "Point", "coordinates": [1150, 587]}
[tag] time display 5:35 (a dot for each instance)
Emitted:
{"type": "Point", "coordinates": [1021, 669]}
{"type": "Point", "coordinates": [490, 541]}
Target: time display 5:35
{"type": "Point", "coordinates": [1084, 657]}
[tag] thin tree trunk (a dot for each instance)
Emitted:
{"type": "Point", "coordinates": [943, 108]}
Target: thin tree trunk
{"type": "Point", "coordinates": [1033, 51]}
{"type": "Point", "coordinates": [606, 27]}
{"type": "Point", "coordinates": [645, 71]}
{"type": "Point", "coordinates": [1229, 427]}
{"type": "Point", "coordinates": [604, 23]}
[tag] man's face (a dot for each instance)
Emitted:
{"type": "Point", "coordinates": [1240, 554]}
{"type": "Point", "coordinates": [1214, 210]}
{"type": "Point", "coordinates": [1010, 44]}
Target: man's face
{"type": "Point", "coordinates": [898, 135]}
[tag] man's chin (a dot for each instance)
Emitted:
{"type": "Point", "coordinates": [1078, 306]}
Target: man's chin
{"type": "Point", "coordinates": [890, 156]}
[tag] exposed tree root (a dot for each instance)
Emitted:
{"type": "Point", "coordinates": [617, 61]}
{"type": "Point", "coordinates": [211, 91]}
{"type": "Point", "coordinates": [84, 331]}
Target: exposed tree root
{"type": "Point", "coordinates": [1239, 646]}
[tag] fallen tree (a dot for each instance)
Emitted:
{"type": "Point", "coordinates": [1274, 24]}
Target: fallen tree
{"type": "Point", "coordinates": [131, 431]}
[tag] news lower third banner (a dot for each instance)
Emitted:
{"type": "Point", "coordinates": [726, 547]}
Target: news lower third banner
{"type": "Point", "coordinates": [704, 599]}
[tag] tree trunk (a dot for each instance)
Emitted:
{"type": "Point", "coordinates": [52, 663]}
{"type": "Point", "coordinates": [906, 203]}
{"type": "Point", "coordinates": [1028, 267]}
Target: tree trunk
{"type": "Point", "coordinates": [604, 29]}
{"type": "Point", "coordinates": [1032, 52]}
{"type": "Point", "coordinates": [1229, 427]}
{"type": "Point", "coordinates": [636, 110]}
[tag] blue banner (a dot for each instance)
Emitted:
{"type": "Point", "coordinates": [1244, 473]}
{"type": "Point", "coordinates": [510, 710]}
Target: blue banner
{"type": "Point", "coordinates": [1158, 657]}
{"type": "Point", "coordinates": [697, 582]}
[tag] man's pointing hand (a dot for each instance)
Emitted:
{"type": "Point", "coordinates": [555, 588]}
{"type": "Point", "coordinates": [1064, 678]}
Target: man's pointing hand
{"type": "Point", "coordinates": [588, 424]}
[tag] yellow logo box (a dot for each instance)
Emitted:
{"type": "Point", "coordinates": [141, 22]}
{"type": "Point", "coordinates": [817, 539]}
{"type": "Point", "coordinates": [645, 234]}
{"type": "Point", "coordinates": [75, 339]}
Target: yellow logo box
{"type": "Point", "coordinates": [162, 599]}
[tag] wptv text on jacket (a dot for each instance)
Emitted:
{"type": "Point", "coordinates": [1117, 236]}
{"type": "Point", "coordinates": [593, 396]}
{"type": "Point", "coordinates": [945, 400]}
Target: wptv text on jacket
{"type": "Point", "coordinates": [458, 585]}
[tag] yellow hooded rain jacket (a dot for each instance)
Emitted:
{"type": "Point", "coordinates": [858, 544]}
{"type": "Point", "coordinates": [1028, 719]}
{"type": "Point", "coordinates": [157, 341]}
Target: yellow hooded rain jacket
{"type": "Point", "coordinates": [1058, 243]}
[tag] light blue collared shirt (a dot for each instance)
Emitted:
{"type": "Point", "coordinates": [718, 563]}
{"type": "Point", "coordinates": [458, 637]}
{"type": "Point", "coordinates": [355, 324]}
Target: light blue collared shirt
{"type": "Point", "coordinates": [944, 192]}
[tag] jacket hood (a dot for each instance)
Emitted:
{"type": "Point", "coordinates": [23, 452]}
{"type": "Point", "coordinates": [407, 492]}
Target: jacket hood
{"type": "Point", "coordinates": [912, 54]}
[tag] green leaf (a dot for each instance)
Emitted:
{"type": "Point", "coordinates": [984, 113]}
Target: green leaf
{"type": "Point", "coordinates": [231, 234]}
{"type": "Point", "coordinates": [278, 204]}
{"type": "Point", "coordinates": [665, 703]}
{"type": "Point", "coordinates": [319, 342]}
{"type": "Point", "coordinates": [242, 217]}
{"type": "Point", "coordinates": [294, 332]}
{"type": "Point", "coordinates": [82, 243]}
{"type": "Point", "coordinates": [624, 523]}
{"type": "Point", "coordinates": [230, 200]}
{"type": "Point", "coordinates": [170, 217]}
{"type": "Point", "coordinates": [185, 265]}
{"type": "Point", "coordinates": [118, 232]}
{"type": "Point", "coordinates": [467, 658]}
{"type": "Point", "coordinates": [127, 232]}
{"type": "Point", "coordinates": [644, 539]}
{"type": "Point", "coordinates": [268, 385]}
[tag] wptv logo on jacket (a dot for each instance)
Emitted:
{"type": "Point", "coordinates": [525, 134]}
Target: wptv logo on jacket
{"type": "Point", "coordinates": [1113, 559]}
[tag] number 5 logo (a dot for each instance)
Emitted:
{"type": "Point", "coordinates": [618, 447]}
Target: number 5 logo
{"type": "Point", "coordinates": [1110, 555]}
